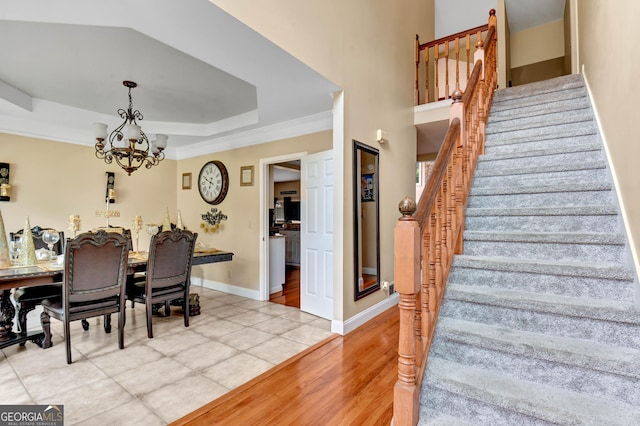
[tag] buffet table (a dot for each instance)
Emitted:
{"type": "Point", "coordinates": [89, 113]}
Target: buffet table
{"type": "Point", "coordinates": [48, 273]}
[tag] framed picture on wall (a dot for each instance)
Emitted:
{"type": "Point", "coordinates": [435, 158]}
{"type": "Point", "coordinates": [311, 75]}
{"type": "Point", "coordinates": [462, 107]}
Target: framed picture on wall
{"type": "Point", "coordinates": [246, 176]}
{"type": "Point", "coordinates": [186, 181]}
{"type": "Point", "coordinates": [367, 187]}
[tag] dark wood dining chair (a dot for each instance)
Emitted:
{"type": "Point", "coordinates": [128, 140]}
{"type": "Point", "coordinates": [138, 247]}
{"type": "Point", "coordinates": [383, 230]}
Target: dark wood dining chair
{"type": "Point", "coordinates": [95, 270]}
{"type": "Point", "coordinates": [28, 298]}
{"type": "Point", "coordinates": [168, 273]}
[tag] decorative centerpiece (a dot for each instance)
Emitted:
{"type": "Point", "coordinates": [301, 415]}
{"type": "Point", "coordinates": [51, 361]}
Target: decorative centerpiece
{"type": "Point", "coordinates": [28, 251]}
{"type": "Point", "coordinates": [179, 224]}
{"type": "Point", "coordinates": [166, 224]}
{"type": "Point", "coordinates": [5, 261]}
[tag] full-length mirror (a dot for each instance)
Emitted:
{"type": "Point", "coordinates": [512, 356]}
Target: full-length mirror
{"type": "Point", "coordinates": [366, 223]}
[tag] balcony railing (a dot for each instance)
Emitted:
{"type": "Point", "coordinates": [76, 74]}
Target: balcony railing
{"type": "Point", "coordinates": [428, 235]}
{"type": "Point", "coordinates": [445, 63]}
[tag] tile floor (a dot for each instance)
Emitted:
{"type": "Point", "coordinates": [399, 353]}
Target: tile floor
{"type": "Point", "coordinates": [156, 381]}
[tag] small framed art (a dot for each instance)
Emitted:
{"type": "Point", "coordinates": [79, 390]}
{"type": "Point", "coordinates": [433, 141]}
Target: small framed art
{"type": "Point", "coordinates": [246, 176]}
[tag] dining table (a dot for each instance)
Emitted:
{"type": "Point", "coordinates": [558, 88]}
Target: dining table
{"type": "Point", "coordinates": [48, 272]}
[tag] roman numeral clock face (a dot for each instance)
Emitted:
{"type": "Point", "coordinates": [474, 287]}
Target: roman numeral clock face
{"type": "Point", "coordinates": [213, 182]}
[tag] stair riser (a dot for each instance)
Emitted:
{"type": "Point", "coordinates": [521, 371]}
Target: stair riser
{"type": "Point", "coordinates": [491, 162]}
{"type": "Point", "coordinates": [608, 332]}
{"type": "Point", "coordinates": [546, 251]}
{"type": "Point", "coordinates": [531, 366]}
{"type": "Point", "coordinates": [582, 198]}
{"type": "Point", "coordinates": [491, 149]}
{"type": "Point", "coordinates": [535, 121]}
{"type": "Point", "coordinates": [608, 223]}
{"type": "Point", "coordinates": [544, 132]}
{"type": "Point", "coordinates": [577, 176]}
{"type": "Point", "coordinates": [435, 401]}
{"type": "Point", "coordinates": [572, 100]}
{"type": "Point", "coordinates": [585, 287]}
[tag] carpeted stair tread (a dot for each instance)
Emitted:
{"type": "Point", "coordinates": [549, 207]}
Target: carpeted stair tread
{"type": "Point", "coordinates": [545, 283]}
{"type": "Point", "coordinates": [536, 121]}
{"type": "Point", "coordinates": [550, 246]}
{"type": "Point", "coordinates": [438, 419]}
{"type": "Point", "coordinates": [547, 237]}
{"type": "Point", "coordinates": [575, 352]}
{"type": "Point", "coordinates": [566, 370]}
{"type": "Point", "coordinates": [439, 401]}
{"type": "Point", "coordinates": [612, 271]}
{"type": "Point", "coordinates": [599, 210]}
{"type": "Point", "coordinates": [537, 400]}
{"type": "Point", "coordinates": [593, 146]}
{"type": "Point", "coordinates": [541, 189]}
{"type": "Point", "coordinates": [566, 100]}
{"type": "Point", "coordinates": [549, 131]}
{"type": "Point", "coordinates": [547, 168]}
{"type": "Point", "coordinates": [540, 87]}
{"type": "Point", "coordinates": [556, 133]}
{"type": "Point", "coordinates": [599, 309]}
{"type": "Point", "coordinates": [541, 144]}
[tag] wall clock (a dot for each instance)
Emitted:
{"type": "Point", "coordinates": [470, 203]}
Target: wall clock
{"type": "Point", "coordinates": [213, 182]}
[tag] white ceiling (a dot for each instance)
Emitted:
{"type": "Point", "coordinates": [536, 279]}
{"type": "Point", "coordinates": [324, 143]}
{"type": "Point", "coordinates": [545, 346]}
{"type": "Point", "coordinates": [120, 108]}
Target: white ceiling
{"type": "Point", "coordinates": [204, 78]}
{"type": "Point", "coordinates": [522, 14]}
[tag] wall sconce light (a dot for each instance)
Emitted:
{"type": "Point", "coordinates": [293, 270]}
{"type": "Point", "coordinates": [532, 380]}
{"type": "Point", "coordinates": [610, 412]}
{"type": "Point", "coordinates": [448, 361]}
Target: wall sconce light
{"type": "Point", "coordinates": [5, 188]}
{"type": "Point", "coordinates": [381, 136]}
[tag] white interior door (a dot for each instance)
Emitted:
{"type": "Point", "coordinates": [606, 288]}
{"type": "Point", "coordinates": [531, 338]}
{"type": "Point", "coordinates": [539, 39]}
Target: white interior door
{"type": "Point", "coordinates": [316, 252]}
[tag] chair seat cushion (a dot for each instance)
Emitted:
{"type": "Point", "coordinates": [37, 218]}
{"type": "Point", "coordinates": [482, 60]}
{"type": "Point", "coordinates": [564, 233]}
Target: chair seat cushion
{"type": "Point", "coordinates": [38, 293]}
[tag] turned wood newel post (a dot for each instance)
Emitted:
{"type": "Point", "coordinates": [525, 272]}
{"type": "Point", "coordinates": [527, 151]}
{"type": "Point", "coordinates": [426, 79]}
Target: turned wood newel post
{"type": "Point", "coordinates": [407, 284]}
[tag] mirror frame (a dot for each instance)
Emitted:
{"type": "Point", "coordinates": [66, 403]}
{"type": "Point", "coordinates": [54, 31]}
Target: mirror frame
{"type": "Point", "coordinates": [357, 204]}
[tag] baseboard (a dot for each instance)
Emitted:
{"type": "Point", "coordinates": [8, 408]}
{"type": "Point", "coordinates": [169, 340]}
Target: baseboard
{"type": "Point", "coordinates": [224, 287]}
{"type": "Point", "coordinates": [345, 327]}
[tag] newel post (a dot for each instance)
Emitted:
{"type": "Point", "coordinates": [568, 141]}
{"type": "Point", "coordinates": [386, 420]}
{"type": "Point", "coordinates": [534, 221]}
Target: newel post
{"type": "Point", "coordinates": [407, 284]}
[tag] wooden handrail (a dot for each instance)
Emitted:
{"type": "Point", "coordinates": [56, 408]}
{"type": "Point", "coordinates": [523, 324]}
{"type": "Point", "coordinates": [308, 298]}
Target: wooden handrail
{"type": "Point", "coordinates": [453, 37]}
{"type": "Point", "coordinates": [428, 235]}
{"type": "Point", "coordinates": [436, 76]}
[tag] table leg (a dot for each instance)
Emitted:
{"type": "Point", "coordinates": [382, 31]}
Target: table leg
{"type": "Point", "coordinates": [7, 313]}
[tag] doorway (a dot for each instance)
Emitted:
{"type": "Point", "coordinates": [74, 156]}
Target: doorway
{"type": "Point", "coordinates": [314, 240]}
{"type": "Point", "coordinates": [288, 169]}
{"type": "Point", "coordinates": [284, 223]}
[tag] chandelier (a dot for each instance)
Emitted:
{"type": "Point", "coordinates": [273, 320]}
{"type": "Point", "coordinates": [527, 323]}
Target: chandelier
{"type": "Point", "coordinates": [127, 144]}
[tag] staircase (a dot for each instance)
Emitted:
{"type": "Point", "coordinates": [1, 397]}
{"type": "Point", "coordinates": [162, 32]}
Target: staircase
{"type": "Point", "coordinates": [540, 323]}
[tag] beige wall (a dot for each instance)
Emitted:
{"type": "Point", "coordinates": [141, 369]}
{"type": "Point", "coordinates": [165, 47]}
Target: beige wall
{"type": "Point", "coordinates": [537, 44]}
{"type": "Point", "coordinates": [240, 233]}
{"type": "Point", "coordinates": [292, 185]}
{"type": "Point", "coordinates": [52, 180]}
{"type": "Point", "coordinates": [607, 33]}
{"type": "Point", "coordinates": [367, 48]}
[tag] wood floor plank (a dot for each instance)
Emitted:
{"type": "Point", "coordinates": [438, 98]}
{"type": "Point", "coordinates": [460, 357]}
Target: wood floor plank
{"type": "Point", "coordinates": [347, 380]}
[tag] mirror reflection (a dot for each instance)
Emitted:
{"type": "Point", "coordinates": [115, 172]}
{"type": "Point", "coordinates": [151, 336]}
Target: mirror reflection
{"type": "Point", "coordinates": [366, 222]}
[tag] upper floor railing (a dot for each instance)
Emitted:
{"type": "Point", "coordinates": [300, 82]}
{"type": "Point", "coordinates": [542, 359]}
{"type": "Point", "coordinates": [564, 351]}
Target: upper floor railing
{"type": "Point", "coordinates": [445, 63]}
{"type": "Point", "coordinates": [428, 235]}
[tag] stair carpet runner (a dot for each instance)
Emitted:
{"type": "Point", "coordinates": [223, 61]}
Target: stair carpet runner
{"type": "Point", "coordinates": [540, 322]}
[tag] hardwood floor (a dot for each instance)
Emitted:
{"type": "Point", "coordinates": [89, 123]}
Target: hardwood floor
{"type": "Point", "coordinates": [345, 380]}
{"type": "Point", "coordinates": [290, 295]}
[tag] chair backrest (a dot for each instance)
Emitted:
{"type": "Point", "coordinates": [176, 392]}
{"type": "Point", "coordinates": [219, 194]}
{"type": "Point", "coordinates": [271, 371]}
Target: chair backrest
{"type": "Point", "coordinates": [37, 231]}
{"type": "Point", "coordinates": [95, 267]}
{"type": "Point", "coordinates": [170, 256]}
